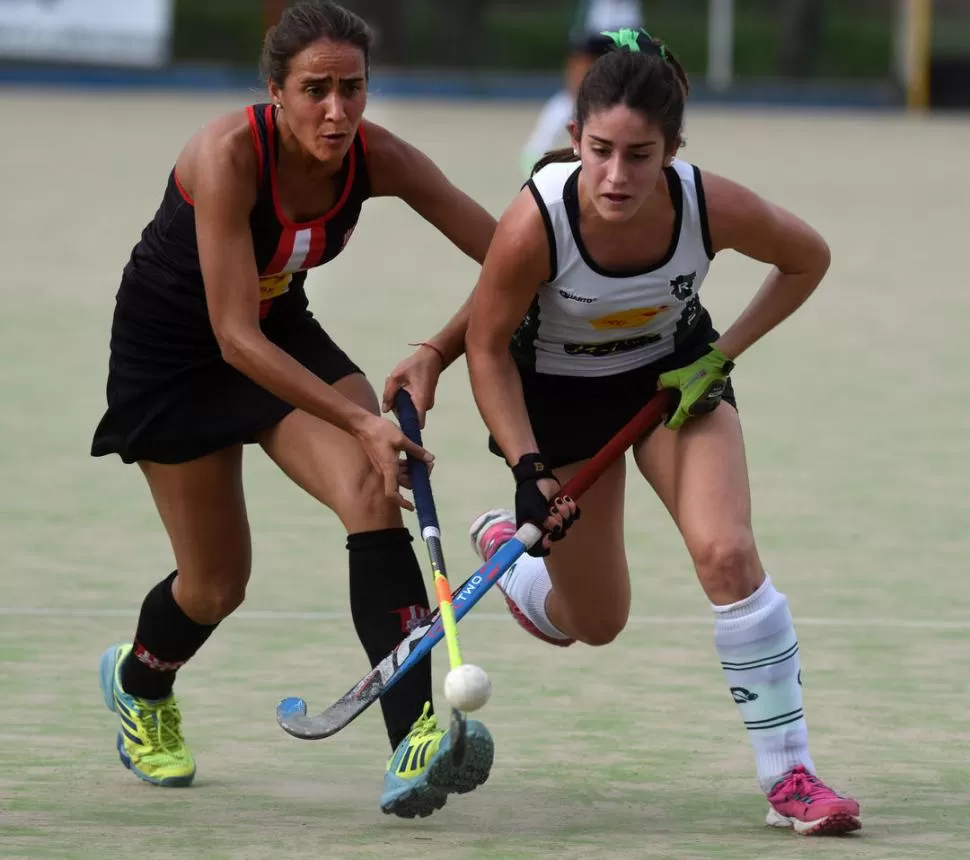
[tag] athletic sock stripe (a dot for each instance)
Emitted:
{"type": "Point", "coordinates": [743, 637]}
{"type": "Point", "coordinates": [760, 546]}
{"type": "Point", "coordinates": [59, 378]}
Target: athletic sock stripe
{"type": "Point", "coordinates": [775, 725]}
{"type": "Point", "coordinates": [753, 724]}
{"type": "Point", "coordinates": [729, 668]}
{"type": "Point", "coordinates": [780, 657]}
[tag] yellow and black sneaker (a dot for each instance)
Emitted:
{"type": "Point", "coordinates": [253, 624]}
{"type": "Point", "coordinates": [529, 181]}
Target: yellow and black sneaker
{"type": "Point", "coordinates": [150, 742]}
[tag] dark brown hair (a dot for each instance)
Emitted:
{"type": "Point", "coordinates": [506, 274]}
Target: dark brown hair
{"type": "Point", "coordinates": [639, 72]}
{"type": "Point", "coordinates": [303, 24]}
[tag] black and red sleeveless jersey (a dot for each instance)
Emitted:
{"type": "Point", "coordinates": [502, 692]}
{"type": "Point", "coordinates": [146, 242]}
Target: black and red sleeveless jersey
{"type": "Point", "coordinates": [163, 278]}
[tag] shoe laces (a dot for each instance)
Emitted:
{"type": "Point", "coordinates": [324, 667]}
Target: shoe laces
{"type": "Point", "coordinates": [426, 724]}
{"type": "Point", "coordinates": [803, 786]}
{"type": "Point", "coordinates": [166, 721]}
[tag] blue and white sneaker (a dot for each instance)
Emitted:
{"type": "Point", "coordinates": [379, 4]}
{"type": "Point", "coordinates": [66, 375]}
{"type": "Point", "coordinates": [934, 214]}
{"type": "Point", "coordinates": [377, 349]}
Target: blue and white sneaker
{"type": "Point", "coordinates": [421, 773]}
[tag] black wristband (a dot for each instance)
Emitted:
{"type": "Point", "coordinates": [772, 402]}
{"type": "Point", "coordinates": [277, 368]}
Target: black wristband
{"type": "Point", "coordinates": [530, 468]}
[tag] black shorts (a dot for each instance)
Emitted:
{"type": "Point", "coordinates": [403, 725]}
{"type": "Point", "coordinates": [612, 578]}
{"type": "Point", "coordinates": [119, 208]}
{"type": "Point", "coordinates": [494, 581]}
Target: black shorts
{"type": "Point", "coordinates": [177, 402]}
{"type": "Point", "coordinates": [574, 416]}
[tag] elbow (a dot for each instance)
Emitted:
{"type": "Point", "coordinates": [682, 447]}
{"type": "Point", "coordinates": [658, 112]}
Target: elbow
{"type": "Point", "coordinates": [235, 345]}
{"type": "Point", "coordinates": [809, 261]}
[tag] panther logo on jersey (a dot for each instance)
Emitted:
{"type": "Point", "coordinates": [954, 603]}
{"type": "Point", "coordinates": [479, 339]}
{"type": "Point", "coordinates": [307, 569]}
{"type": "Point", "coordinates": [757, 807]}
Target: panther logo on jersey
{"type": "Point", "coordinates": [683, 286]}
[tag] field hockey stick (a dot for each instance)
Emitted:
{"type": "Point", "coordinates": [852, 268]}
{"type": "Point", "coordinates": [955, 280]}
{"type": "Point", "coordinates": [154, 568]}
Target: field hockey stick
{"type": "Point", "coordinates": [291, 713]}
{"type": "Point", "coordinates": [424, 504]}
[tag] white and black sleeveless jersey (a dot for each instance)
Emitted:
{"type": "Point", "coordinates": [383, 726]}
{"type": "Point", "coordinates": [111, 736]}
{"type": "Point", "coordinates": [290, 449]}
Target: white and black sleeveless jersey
{"type": "Point", "coordinates": [587, 321]}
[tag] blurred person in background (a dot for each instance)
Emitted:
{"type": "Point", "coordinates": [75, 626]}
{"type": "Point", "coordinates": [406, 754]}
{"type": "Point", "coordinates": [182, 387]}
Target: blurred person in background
{"type": "Point", "coordinates": [213, 347]}
{"type": "Point", "coordinates": [585, 46]}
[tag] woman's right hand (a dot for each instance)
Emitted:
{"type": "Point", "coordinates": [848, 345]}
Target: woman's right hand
{"type": "Point", "coordinates": [384, 442]}
{"type": "Point", "coordinates": [539, 501]}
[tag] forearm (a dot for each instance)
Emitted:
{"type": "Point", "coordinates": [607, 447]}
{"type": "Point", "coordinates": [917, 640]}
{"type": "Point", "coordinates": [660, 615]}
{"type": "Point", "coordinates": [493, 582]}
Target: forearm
{"type": "Point", "coordinates": [450, 341]}
{"type": "Point", "coordinates": [471, 230]}
{"type": "Point", "coordinates": [497, 388]}
{"type": "Point", "coordinates": [779, 297]}
{"type": "Point", "coordinates": [281, 374]}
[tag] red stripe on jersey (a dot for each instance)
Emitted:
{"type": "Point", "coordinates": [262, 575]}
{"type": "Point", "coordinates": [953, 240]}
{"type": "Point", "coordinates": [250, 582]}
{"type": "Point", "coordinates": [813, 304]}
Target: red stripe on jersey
{"type": "Point", "coordinates": [363, 137]}
{"type": "Point", "coordinates": [185, 194]}
{"type": "Point", "coordinates": [318, 244]}
{"type": "Point", "coordinates": [257, 143]}
{"type": "Point", "coordinates": [283, 252]}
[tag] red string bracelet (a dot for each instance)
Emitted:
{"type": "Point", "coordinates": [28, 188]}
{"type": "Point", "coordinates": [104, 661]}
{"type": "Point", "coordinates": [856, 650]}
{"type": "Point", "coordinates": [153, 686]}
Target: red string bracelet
{"type": "Point", "coordinates": [441, 355]}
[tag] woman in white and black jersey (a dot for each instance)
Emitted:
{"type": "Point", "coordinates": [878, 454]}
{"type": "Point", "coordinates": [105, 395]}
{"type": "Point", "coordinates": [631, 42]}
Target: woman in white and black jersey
{"type": "Point", "coordinates": [593, 277]}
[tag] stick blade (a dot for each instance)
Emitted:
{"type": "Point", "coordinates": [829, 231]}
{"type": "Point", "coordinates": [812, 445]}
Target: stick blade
{"type": "Point", "coordinates": [292, 708]}
{"type": "Point", "coordinates": [291, 714]}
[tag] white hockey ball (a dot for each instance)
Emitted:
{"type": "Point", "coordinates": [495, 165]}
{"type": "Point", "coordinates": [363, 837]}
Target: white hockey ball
{"type": "Point", "coordinates": [467, 687]}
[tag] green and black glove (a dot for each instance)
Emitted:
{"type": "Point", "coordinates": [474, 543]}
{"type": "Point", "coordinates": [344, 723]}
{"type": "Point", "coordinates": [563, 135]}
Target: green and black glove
{"type": "Point", "coordinates": [701, 385]}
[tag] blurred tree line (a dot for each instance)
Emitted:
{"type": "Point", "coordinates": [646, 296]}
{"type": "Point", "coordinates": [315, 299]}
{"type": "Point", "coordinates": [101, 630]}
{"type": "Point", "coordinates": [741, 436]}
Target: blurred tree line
{"type": "Point", "coordinates": [773, 38]}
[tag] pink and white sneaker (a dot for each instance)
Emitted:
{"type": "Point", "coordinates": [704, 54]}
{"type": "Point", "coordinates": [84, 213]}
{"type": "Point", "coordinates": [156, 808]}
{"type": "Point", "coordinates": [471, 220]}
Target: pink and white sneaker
{"type": "Point", "coordinates": [489, 532]}
{"type": "Point", "coordinates": [802, 801]}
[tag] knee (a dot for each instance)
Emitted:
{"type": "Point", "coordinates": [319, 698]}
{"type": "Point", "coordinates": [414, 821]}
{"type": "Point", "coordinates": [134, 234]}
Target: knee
{"type": "Point", "coordinates": [226, 598]}
{"type": "Point", "coordinates": [728, 566]}
{"type": "Point", "coordinates": [363, 505]}
{"type": "Point", "coordinates": [600, 628]}
{"type": "Point", "coordinates": [209, 600]}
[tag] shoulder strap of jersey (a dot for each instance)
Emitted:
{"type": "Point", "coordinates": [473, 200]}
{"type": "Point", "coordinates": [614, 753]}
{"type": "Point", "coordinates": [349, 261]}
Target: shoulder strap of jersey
{"type": "Point", "coordinates": [362, 174]}
{"type": "Point", "coordinates": [695, 202]}
{"type": "Point", "coordinates": [261, 126]}
{"type": "Point", "coordinates": [547, 188]}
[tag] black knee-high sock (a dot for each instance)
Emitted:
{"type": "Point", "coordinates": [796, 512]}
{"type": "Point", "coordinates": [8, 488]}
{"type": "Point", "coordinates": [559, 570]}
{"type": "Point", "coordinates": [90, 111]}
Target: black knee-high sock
{"type": "Point", "coordinates": [164, 641]}
{"type": "Point", "coordinates": [387, 596]}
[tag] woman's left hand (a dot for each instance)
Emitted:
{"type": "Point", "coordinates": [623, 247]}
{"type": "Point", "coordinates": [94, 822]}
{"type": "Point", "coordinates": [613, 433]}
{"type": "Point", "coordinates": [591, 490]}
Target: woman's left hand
{"type": "Point", "coordinates": [418, 373]}
{"type": "Point", "coordinates": [700, 384]}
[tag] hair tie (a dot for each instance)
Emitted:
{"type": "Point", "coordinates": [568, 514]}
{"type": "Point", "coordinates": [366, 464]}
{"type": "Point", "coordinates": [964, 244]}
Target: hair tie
{"type": "Point", "coordinates": [637, 41]}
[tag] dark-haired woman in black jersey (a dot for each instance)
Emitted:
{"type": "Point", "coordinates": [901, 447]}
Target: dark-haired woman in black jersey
{"type": "Point", "coordinates": [213, 347]}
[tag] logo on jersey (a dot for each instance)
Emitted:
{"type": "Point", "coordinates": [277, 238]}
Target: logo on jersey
{"type": "Point", "coordinates": [598, 350]}
{"type": "Point", "coordinates": [574, 298]}
{"type": "Point", "coordinates": [270, 288]}
{"type": "Point", "coordinates": [274, 286]}
{"type": "Point", "coordinates": [633, 318]}
{"type": "Point", "coordinates": [683, 286]}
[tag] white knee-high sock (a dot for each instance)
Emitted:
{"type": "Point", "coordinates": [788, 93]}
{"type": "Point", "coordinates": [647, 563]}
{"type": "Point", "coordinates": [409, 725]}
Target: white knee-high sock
{"type": "Point", "coordinates": [756, 642]}
{"type": "Point", "coordinates": [528, 585]}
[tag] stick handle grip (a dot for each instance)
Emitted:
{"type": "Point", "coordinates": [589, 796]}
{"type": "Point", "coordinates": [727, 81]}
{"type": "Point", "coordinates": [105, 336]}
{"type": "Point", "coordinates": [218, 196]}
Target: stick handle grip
{"type": "Point", "coordinates": [407, 415]}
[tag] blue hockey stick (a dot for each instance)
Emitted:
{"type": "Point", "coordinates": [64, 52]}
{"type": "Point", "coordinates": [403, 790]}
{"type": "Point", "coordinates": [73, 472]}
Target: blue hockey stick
{"type": "Point", "coordinates": [407, 415]}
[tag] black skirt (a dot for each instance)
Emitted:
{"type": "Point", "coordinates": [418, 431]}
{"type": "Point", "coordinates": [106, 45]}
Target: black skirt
{"type": "Point", "coordinates": [172, 398]}
{"type": "Point", "coordinates": [574, 416]}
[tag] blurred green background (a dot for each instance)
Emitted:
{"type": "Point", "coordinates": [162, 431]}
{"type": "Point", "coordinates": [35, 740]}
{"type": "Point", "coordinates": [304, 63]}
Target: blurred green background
{"type": "Point", "coordinates": [827, 39]}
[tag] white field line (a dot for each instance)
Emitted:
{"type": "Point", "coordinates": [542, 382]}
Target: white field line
{"type": "Point", "coordinates": [273, 615]}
